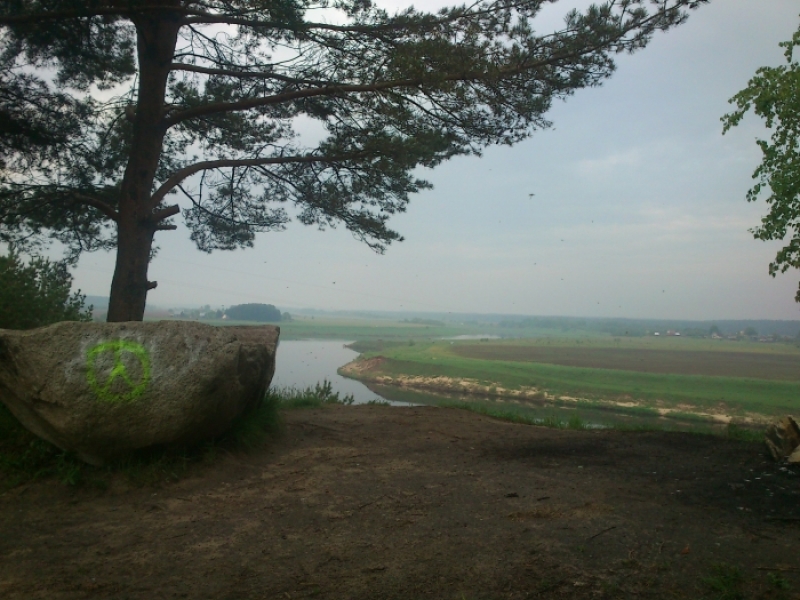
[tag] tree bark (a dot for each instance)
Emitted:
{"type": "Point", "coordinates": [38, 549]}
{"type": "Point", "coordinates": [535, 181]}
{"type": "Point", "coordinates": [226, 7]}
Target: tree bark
{"type": "Point", "coordinates": [156, 39]}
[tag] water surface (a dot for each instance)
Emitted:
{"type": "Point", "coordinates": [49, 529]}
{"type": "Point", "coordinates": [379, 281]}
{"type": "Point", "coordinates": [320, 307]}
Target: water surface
{"type": "Point", "coordinates": [305, 363]}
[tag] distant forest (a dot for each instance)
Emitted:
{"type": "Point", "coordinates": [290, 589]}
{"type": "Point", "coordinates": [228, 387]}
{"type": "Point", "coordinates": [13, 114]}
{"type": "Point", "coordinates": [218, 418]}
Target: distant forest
{"type": "Point", "coordinates": [263, 313]}
{"type": "Point", "coordinates": [640, 327]}
{"type": "Point", "coordinates": [612, 326]}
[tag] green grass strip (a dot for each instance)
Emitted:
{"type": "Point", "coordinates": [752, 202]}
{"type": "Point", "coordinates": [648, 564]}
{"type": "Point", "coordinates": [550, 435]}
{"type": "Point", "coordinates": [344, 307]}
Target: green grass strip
{"type": "Point", "coordinates": [753, 395]}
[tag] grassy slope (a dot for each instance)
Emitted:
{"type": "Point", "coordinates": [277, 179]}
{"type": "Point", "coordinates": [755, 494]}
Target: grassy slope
{"type": "Point", "coordinates": [738, 394]}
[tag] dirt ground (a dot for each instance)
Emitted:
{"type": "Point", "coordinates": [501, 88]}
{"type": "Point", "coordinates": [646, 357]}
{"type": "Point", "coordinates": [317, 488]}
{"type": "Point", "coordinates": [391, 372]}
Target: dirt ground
{"type": "Point", "coordinates": [422, 502]}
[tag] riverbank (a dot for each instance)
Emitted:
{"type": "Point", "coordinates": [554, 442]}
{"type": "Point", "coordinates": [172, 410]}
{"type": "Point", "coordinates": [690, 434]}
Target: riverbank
{"type": "Point", "coordinates": [440, 390]}
{"type": "Point", "coordinates": [654, 383]}
{"type": "Point", "coordinates": [467, 390]}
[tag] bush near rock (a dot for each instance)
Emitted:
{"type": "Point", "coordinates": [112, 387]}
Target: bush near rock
{"type": "Point", "coordinates": [104, 389]}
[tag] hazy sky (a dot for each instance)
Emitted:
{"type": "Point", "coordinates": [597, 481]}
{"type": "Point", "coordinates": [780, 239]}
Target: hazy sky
{"type": "Point", "coordinates": [639, 206]}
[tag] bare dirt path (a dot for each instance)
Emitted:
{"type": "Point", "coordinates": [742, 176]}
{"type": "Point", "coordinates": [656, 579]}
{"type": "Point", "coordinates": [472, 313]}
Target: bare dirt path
{"type": "Point", "coordinates": [379, 502]}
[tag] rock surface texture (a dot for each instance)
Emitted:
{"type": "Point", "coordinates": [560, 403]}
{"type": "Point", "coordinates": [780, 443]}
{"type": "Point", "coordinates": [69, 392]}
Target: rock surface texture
{"type": "Point", "coordinates": [783, 440]}
{"type": "Point", "coordinates": [104, 389]}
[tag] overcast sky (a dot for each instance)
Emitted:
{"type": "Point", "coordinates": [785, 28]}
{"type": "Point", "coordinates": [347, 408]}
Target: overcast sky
{"type": "Point", "coordinates": [639, 207]}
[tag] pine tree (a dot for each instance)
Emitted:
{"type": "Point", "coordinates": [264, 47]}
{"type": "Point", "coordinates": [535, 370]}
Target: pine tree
{"type": "Point", "coordinates": [111, 108]}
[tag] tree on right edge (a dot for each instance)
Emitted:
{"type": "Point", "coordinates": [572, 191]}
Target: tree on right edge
{"type": "Point", "coordinates": [774, 95]}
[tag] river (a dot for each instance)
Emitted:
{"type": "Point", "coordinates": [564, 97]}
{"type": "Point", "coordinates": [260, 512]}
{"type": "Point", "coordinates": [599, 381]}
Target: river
{"type": "Point", "coordinates": [305, 363]}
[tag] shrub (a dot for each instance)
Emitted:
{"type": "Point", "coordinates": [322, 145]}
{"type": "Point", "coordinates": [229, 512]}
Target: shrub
{"type": "Point", "coordinates": [38, 293]}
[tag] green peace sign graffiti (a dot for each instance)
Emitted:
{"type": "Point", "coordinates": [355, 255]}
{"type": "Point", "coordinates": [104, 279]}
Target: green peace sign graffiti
{"type": "Point", "coordinates": [127, 388]}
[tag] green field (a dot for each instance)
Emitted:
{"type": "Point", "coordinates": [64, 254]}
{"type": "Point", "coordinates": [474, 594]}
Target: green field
{"type": "Point", "coordinates": [367, 330]}
{"type": "Point", "coordinates": [688, 375]}
{"type": "Point", "coordinates": [735, 378]}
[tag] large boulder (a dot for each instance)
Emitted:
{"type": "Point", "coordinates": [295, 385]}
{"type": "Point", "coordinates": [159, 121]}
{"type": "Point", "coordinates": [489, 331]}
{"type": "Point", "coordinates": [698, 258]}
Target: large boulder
{"type": "Point", "coordinates": [783, 438]}
{"type": "Point", "coordinates": [104, 389]}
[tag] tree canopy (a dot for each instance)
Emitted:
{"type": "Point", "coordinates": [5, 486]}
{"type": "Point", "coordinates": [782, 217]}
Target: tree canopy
{"type": "Point", "coordinates": [116, 116]}
{"type": "Point", "coordinates": [774, 95]}
{"type": "Point", "coordinates": [254, 312]}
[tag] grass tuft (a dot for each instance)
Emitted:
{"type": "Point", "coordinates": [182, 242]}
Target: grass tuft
{"type": "Point", "coordinates": [744, 434]}
{"type": "Point", "coordinates": [725, 583]}
{"type": "Point", "coordinates": [254, 428]}
{"type": "Point", "coordinates": [316, 397]}
{"type": "Point", "coordinates": [779, 582]}
{"type": "Point", "coordinates": [24, 457]}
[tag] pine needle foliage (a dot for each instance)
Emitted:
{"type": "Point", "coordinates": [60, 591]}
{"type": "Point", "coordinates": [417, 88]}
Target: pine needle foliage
{"type": "Point", "coordinates": [116, 116]}
{"type": "Point", "coordinates": [38, 293]}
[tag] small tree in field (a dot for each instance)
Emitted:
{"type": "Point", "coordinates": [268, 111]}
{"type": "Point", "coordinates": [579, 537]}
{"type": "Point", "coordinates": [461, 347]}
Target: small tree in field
{"type": "Point", "coordinates": [206, 95]}
{"type": "Point", "coordinates": [37, 293]}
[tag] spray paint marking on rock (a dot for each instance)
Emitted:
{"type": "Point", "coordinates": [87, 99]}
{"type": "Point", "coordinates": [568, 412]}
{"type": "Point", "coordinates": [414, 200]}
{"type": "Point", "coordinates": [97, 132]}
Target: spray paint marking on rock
{"type": "Point", "coordinates": [118, 371]}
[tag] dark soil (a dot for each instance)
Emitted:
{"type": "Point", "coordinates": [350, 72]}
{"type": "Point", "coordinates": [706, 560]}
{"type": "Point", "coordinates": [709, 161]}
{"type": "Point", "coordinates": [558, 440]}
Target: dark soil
{"type": "Point", "coordinates": [380, 502]}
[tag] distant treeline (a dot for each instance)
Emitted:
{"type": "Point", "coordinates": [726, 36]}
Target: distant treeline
{"type": "Point", "coordinates": [641, 327]}
{"type": "Point", "coordinates": [254, 312]}
{"type": "Point", "coordinates": [429, 322]}
{"type": "Point", "coordinates": [617, 327]}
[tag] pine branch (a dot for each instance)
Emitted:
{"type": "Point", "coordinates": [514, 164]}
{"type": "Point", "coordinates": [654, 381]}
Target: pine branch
{"type": "Point", "coordinates": [179, 176]}
{"type": "Point", "coordinates": [557, 58]}
{"type": "Point", "coordinates": [328, 90]}
{"type": "Point", "coordinates": [83, 13]}
{"type": "Point", "coordinates": [103, 207]}
{"type": "Point", "coordinates": [166, 213]}
{"type": "Point", "coordinates": [243, 74]}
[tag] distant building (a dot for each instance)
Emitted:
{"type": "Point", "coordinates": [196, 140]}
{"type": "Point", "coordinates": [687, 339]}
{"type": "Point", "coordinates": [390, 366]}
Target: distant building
{"type": "Point", "coordinates": [656, 333]}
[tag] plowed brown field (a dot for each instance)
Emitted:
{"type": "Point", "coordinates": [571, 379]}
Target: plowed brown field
{"type": "Point", "coordinates": [757, 365]}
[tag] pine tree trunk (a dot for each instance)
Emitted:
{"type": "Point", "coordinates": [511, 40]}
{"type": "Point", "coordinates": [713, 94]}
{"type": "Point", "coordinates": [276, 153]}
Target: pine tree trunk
{"type": "Point", "coordinates": [156, 38]}
{"type": "Point", "coordinates": [129, 286]}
